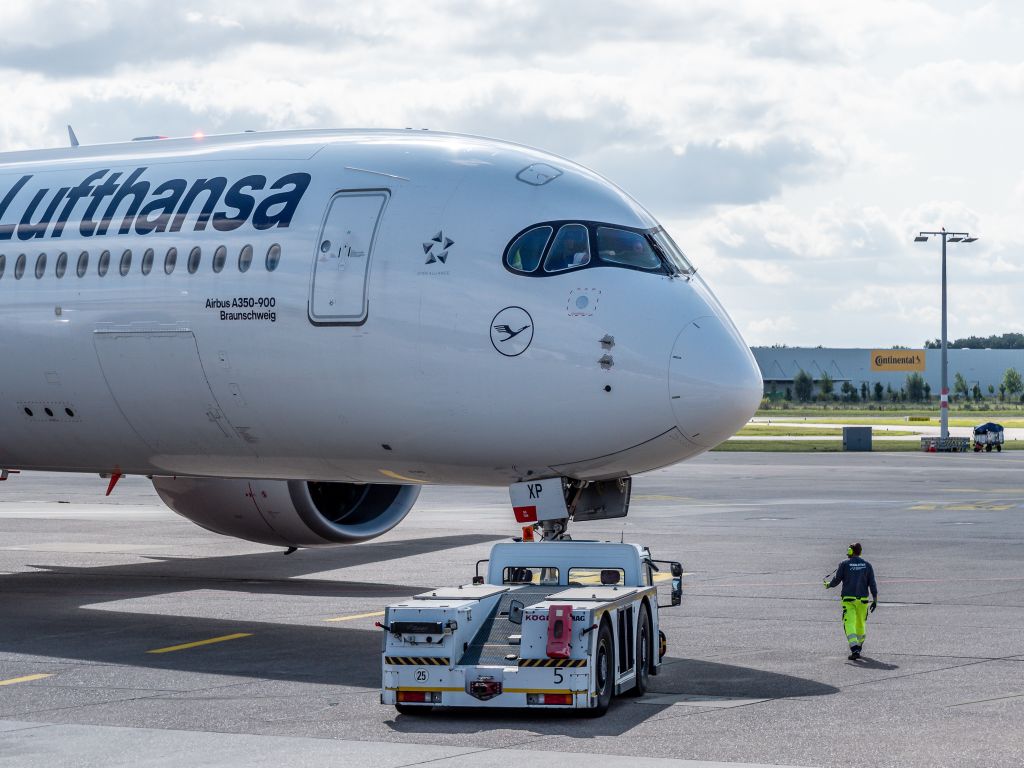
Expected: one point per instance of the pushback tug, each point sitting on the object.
(555, 623)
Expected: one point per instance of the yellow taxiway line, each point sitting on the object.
(24, 679)
(197, 643)
(357, 616)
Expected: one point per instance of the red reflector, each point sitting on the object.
(559, 631)
(420, 696)
(557, 698)
(525, 514)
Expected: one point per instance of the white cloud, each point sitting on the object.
(793, 149)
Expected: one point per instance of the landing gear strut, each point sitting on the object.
(547, 506)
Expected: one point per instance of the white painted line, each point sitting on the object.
(694, 700)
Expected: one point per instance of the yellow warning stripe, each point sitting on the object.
(417, 661)
(552, 662)
(24, 679)
(507, 690)
(356, 616)
(197, 643)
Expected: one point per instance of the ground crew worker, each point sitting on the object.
(857, 577)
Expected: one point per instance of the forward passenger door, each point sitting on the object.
(338, 292)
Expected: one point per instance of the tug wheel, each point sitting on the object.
(642, 663)
(604, 672)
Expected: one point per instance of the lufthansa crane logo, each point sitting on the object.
(512, 331)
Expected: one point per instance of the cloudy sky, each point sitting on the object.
(793, 148)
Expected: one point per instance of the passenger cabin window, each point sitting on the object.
(147, 261)
(40, 266)
(104, 264)
(83, 264)
(3, 264)
(273, 257)
(170, 260)
(19, 266)
(631, 249)
(220, 256)
(571, 248)
(542, 575)
(126, 262)
(62, 265)
(194, 257)
(245, 258)
(525, 253)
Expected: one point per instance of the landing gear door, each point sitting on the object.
(342, 265)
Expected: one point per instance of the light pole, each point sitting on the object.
(947, 237)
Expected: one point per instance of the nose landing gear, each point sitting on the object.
(547, 506)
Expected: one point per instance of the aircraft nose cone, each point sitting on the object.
(714, 381)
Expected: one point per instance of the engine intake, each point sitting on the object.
(291, 513)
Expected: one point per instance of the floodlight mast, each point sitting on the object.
(952, 237)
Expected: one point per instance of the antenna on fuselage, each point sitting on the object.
(71, 136)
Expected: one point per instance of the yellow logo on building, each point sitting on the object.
(897, 360)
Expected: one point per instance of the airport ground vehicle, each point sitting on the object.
(555, 624)
(988, 436)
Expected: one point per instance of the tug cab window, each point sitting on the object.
(592, 577)
(543, 575)
(525, 253)
(620, 246)
(571, 248)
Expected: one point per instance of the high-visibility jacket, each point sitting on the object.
(857, 577)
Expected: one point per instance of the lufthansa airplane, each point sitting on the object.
(292, 332)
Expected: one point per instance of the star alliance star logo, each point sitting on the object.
(436, 249)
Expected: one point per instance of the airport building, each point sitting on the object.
(889, 367)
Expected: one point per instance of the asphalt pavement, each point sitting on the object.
(132, 637)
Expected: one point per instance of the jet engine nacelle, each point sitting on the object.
(290, 513)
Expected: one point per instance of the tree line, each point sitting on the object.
(915, 389)
(1001, 341)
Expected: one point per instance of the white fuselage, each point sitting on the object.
(354, 359)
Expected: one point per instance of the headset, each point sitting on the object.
(849, 551)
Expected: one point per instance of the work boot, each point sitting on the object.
(854, 655)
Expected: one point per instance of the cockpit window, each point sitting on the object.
(620, 246)
(571, 248)
(553, 247)
(525, 253)
(671, 252)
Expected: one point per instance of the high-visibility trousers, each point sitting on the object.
(855, 617)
